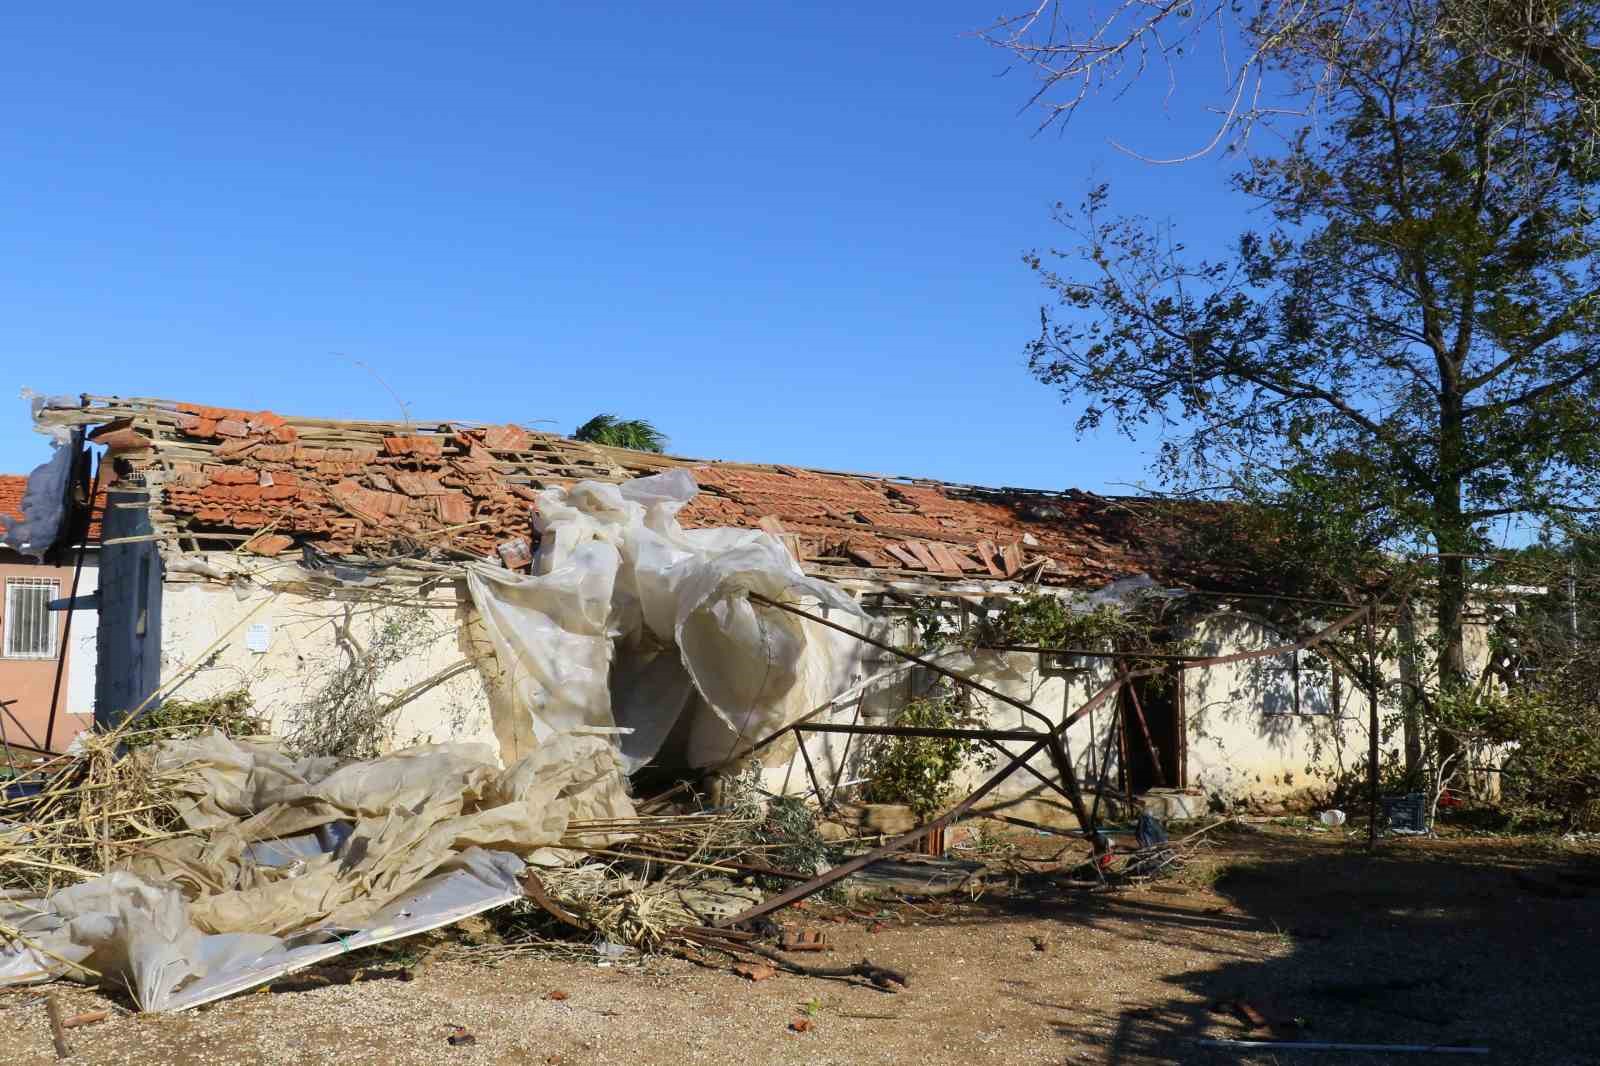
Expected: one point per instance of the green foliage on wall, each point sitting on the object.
(920, 772)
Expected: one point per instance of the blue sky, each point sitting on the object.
(782, 235)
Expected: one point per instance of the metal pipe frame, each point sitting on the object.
(1048, 740)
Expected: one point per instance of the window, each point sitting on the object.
(30, 627)
(1299, 682)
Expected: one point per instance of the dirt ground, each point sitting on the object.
(1489, 942)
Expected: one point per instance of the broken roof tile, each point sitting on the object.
(219, 474)
(268, 544)
(453, 509)
(418, 484)
(507, 438)
(369, 505)
(262, 421)
(120, 436)
(276, 453)
(421, 447)
(905, 557)
(515, 554)
(197, 425)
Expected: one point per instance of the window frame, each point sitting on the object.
(1297, 710)
(10, 619)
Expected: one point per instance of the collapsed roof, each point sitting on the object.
(221, 478)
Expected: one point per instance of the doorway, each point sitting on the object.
(1152, 717)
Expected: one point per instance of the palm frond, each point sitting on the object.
(613, 431)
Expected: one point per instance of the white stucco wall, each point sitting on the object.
(308, 642)
(1015, 674)
(1249, 736)
(1245, 740)
(1249, 739)
(83, 660)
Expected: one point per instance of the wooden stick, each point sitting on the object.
(57, 1033)
(663, 860)
(881, 976)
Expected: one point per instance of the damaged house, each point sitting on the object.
(384, 583)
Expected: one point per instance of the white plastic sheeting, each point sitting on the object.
(628, 622)
(629, 627)
(300, 860)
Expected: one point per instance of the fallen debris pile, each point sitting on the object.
(192, 868)
(248, 864)
(78, 816)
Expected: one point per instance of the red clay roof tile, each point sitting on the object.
(362, 496)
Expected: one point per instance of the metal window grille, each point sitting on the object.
(30, 627)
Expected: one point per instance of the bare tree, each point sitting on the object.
(1545, 49)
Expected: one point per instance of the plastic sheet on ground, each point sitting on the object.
(295, 861)
(629, 623)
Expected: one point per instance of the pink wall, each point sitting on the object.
(26, 684)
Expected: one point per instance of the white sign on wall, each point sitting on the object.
(258, 637)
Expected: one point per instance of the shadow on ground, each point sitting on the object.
(1469, 942)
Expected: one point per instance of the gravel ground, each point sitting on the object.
(1433, 941)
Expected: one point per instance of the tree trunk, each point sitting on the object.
(1454, 537)
(1453, 534)
(1452, 608)
(1411, 681)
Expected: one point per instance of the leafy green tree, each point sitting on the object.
(1408, 344)
(634, 433)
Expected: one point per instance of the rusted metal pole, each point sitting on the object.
(1149, 741)
(1052, 731)
(844, 756)
(995, 744)
(1105, 758)
(66, 628)
(916, 731)
(1186, 661)
(1122, 755)
(838, 873)
(1069, 778)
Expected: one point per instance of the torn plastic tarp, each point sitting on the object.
(44, 506)
(408, 842)
(628, 620)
